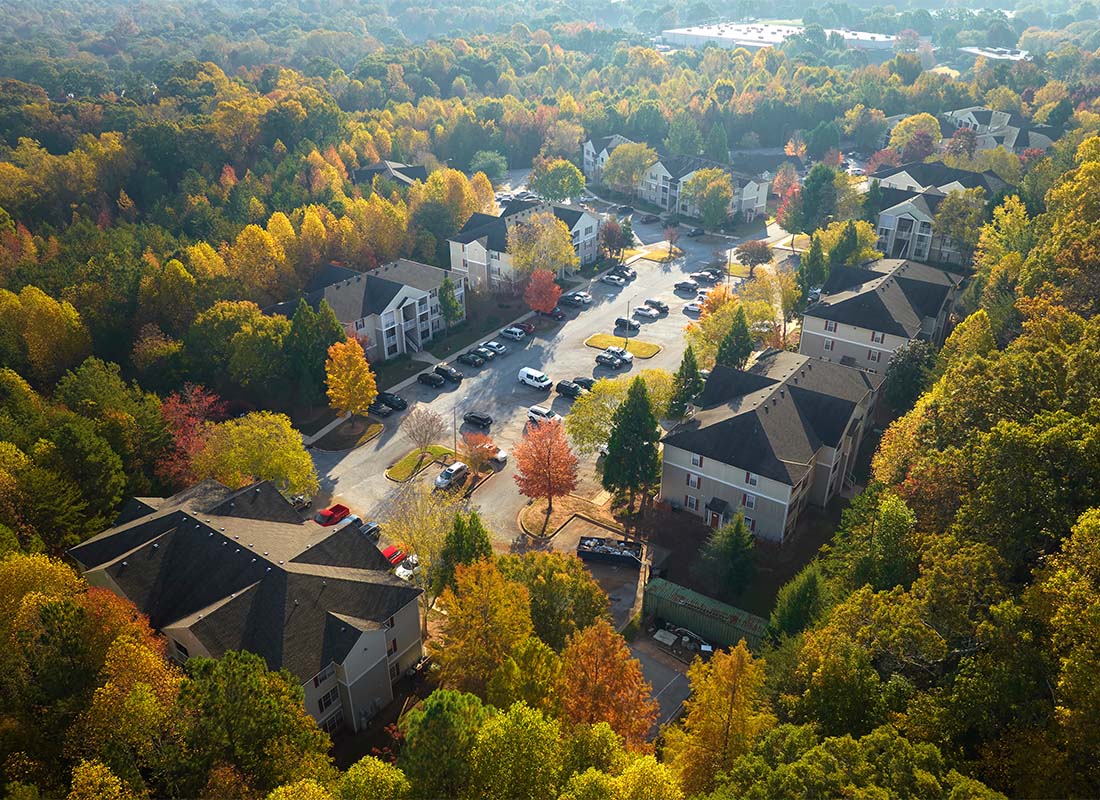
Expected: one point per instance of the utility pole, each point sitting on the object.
(454, 428)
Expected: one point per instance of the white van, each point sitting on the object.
(532, 377)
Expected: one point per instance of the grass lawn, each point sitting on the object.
(312, 420)
(416, 461)
(661, 255)
(349, 434)
(602, 341)
(392, 372)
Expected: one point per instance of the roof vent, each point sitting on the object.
(253, 561)
(209, 534)
(280, 562)
(237, 551)
(765, 408)
(155, 546)
(295, 602)
(251, 545)
(124, 563)
(268, 569)
(265, 552)
(235, 537)
(223, 530)
(224, 543)
(257, 492)
(324, 583)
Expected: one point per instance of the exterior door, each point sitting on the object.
(715, 519)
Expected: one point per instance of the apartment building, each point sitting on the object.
(1005, 129)
(594, 155)
(663, 185)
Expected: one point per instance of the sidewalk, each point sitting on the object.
(307, 440)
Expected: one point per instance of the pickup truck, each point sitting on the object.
(331, 515)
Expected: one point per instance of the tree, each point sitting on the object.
(882, 159)
(632, 462)
(542, 242)
(612, 238)
(306, 345)
(726, 560)
(918, 148)
(717, 146)
(564, 596)
(54, 336)
(516, 756)
(542, 292)
(477, 451)
(257, 447)
(963, 143)
(800, 603)
(904, 132)
(959, 219)
(818, 197)
(811, 267)
(306, 789)
(530, 674)
(626, 165)
(706, 334)
(725, 714)
(601, 682)
(351, 385)
(909, 373)
(688, 382)
(972, 337)
(487, 616)
(786, 179)
(672, 236)
(259, 262)
(371, 778)
(753, 253)
(466, 542)
(847, 243)
(93, 780)
(796, 146)
(439, 735)
(735, 349)
(684, 138)
(822, 139)
(866, 125)
(423, 426)
(234, 711)
(556, 180)
(449, 306)
(490, 162)
(590, 419)
(545, 465)
(711, 191)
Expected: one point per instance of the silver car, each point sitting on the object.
(452, 475)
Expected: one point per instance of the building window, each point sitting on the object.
(750, 523)
(696, 460)
(324, 675)
(359, 324)
(828, 346)
(395, 670)
(333, 723)
(180, 649)
(874, 356)
(750, 479)
(694, 481)
(328, 698)
(830, 325)
(691, 502)
(748, 500)
(391, 647)
(878, 338)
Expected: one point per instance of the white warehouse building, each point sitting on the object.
(757, 35)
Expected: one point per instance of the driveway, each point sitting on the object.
(667, 676)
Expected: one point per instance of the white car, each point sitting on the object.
(694, 307)
(515, 334)
(496, 347)
(537, 414)
(535, 378)
(583, 297)
(614, 280)
(621, 353)
(408, 568)
(647, 312)
(452, 475)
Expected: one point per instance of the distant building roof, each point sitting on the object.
(406, 174)
(495, 229)
(755, 35)
(997, 53)
(241, 570)
(929, 174)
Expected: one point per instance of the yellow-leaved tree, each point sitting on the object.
(350, 380)
(258, 446)
(541, 242)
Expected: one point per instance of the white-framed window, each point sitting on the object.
(748, 500)
(877, 337)
(750, 479)
(874, 356)
(750, 523)
(328, 698)
(828, 346)
(359, 324)
(180, 649)
(324, 675)
(691, 502)
(332, 723)
(694, 481)
(830, 325)
(395, 671)
(696, 460)
(391, 646)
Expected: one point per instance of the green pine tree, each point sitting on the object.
(687, 384)
(726, 558)
(632, 462)
(717, 147)
(684, 138)
(735, 349)
(466, 542)
(306, 348)
(448, 302)
(811, 269)
(846, 247)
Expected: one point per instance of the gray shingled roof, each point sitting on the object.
(495, 229)
(936, 173)
(242, 570)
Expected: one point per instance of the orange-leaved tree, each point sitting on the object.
(545, 463)
(601, 682)
(351, 385)
(477, 450)
(542, 293)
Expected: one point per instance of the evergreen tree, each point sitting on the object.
(800, 603)
(818, 197)
(632, 462)
(466, 542)
(686, 385)
(684, 138)
(811, 268)
(726, 558)
(306, 348)
(717, 147)
(735, 349)
(846, 247)
(448, 302)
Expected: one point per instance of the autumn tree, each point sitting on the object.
(556, 180)
(591, 416)
(542, 292)
(541, 242)
(612, 238)
(632, 462)
(724, 716)
(423, 426)
(866, 125)
(627, 164)
(601, 682)
(371, 778)
(53, 335)
(711, 191)
(671, 235)
(351, 385)
(564, 596)
(185, 416)
(963, 143)
(752, 254)
(516, 756)
(786, 179)
(906, 130)
(467, 542)
(972, 337)
(545, 464)
(257, 447)
(530, 674)
(477, 450)
(487, 616)
(959, 219)
(919, 147)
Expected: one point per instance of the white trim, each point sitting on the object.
(852, 341)
(741, 488)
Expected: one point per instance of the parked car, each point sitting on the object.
(629, 324)
(584, 297)
(379, 409)
(538, 414)
(430, 379)
(694, 307)
(557, 314)
(535, 378)
(660, 305)
(513, 333)
(394, 401)
(608, 360)
(686, 286)
(471, 359)
(496, 454)
(697, 232)
(394, 554)
(372, 530)
(331, 515)
(526, 327)
(300, 502)
(613, 279)
(625, 210)
(715, 272)
(570, 389)
(649, 219)
(408, 569)
(448, 373)
(620, 353)
(587, 383)
(484, 352)
(647, 312)
(627, 272)
(452, 475)
(479, 418)
(571, 300)
(703, 277)
(496, 347)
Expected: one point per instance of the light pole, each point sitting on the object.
(454, 428)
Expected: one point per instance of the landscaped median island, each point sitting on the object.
(417, 461)
(602, 341)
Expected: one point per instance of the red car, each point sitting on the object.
(526, 327)
(331, 515)
(394, 554)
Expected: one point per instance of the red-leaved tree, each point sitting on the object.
(542, 293)
(884, 158)
(185, 415)
(546, 466)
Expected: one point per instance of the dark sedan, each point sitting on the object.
(394, 401)
(430, 379)
(587, 383)
(478, 418)
(570, 389)
(449, 373)
(379, 409)
(472, 359)
(557, 314)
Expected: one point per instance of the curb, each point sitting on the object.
(368, 440)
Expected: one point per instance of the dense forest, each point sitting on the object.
(167, 170)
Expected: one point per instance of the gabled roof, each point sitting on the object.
(930, 174)
(609, 143)
(888, 296)
(773, 418)
(406, 174)
(242, 570)
(926, 202)
(494, 230)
